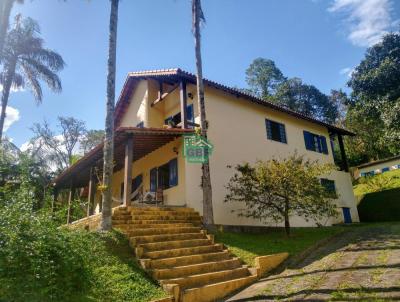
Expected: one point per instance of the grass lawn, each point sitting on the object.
(116, 275)
(390, 180)
(248, 246)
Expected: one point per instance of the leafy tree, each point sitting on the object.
(377, 77)
(375, 100)
(197, 19)
(263, 77)
(279, 189)
(26, 62)
(91, 139)
(267, 81)
(106, 223)
(57, 149)
(306, 99)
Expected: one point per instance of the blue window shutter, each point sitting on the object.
(153, 180)
(269, 130)
(309, 140)
(173, 172)
(282, 133)
(324, 146)
(189, 113)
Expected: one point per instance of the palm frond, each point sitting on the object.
(44, 73)
(33, 82)
(49, 58)
(17, 83)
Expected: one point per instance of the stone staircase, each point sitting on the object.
(173, 248)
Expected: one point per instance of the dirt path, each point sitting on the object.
(361, 265)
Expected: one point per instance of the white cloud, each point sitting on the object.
(12, 116)
(347, 71)
(368, 20)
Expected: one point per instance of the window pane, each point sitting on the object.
(173, 172)
(275, 131)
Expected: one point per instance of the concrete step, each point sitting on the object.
(178, 209)
(176, 262)
(165, 238)
(183, 251)
(196, 269)
(163, 213)
(158, 222)
(215, 291)
(163, 231)
(178, 244)
(193, 281)
(165, 217)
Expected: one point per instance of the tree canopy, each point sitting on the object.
(277, 189)
(267, 81)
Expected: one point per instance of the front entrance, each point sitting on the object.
(347, 215)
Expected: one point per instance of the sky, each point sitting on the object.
(320, 41)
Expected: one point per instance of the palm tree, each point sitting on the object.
(5, 12)
(26, 62)
(197, 19)
(108, 166)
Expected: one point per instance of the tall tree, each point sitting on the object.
(306, 99)
(375, 99)
(26, 62)
(106, 223)
(197, 19)
(5, 12)
(263, 77)
(56, 149)
(91, 139)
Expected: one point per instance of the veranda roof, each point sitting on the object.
(145, 141)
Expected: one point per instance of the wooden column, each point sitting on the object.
(128, 171)
(345, 165)
(70, 196)
(183, 99)
(92, 191)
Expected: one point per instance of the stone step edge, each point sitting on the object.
(140, 251)
(154, 272)
(213, 291)
(146, 263)
(171, 281)
(133, 240)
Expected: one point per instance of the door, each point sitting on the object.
(347, 215)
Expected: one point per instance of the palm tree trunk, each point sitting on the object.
(106, 223)
(5, 96)
(5, 11)
(208, 214)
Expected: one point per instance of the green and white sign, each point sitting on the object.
(197, 149)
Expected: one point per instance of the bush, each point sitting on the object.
(39, 262)
(380, 206)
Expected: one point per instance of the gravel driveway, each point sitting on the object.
(360, 265)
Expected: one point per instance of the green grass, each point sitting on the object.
(116, 275)
(389, 180)
(248, 246)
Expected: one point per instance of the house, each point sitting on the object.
(242, 128)
(377, 167)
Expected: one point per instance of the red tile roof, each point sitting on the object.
(177, 74)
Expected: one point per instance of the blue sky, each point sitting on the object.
(319, 41)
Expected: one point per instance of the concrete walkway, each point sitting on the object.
(361, 265)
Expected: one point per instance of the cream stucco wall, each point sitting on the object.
(377, 168)
(237, 131)
(172, 196)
